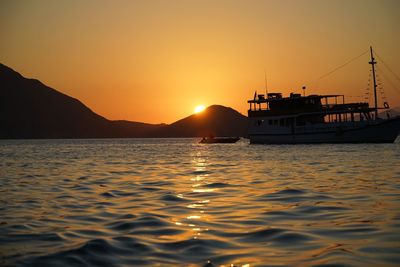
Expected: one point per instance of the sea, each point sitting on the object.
(175, 202)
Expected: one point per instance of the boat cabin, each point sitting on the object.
(309, 109)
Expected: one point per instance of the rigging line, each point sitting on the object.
(389, 81)
(341, 66)
(387, 66)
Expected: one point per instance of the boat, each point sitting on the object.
(220, 140)
(306, 119)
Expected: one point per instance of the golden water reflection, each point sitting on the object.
(201, 175)
(246, 205)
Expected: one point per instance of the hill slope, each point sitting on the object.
(30, 109)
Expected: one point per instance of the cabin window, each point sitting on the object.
(270, 122)
(275, 122)
(282, 122)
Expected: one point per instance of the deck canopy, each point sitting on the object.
(277, 97)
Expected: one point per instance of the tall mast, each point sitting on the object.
(373, 62)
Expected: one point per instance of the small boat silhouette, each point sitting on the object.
(220, 140)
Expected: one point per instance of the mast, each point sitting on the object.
(373, 62)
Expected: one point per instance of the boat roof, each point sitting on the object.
(273, 97)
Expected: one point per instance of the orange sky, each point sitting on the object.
(154, 61)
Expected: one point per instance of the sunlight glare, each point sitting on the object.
(199, 109)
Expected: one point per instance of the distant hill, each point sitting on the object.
(30, 109)
(395, 111)
(216, 120)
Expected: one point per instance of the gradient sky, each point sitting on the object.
(154, 61)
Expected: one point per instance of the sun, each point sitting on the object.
(199, 108)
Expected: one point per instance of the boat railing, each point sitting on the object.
(349, 107)
(324, 109)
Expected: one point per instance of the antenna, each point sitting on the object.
(266, 84)
(304, 90)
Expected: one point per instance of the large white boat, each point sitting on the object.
(275, 119)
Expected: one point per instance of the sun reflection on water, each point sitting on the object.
(199, 206)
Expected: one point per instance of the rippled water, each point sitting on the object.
(175, 202)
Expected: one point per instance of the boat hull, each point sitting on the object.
(383, 132)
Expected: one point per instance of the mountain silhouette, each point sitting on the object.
(215, 120)
(30, 109)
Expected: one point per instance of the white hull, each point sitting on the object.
(380, 131)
